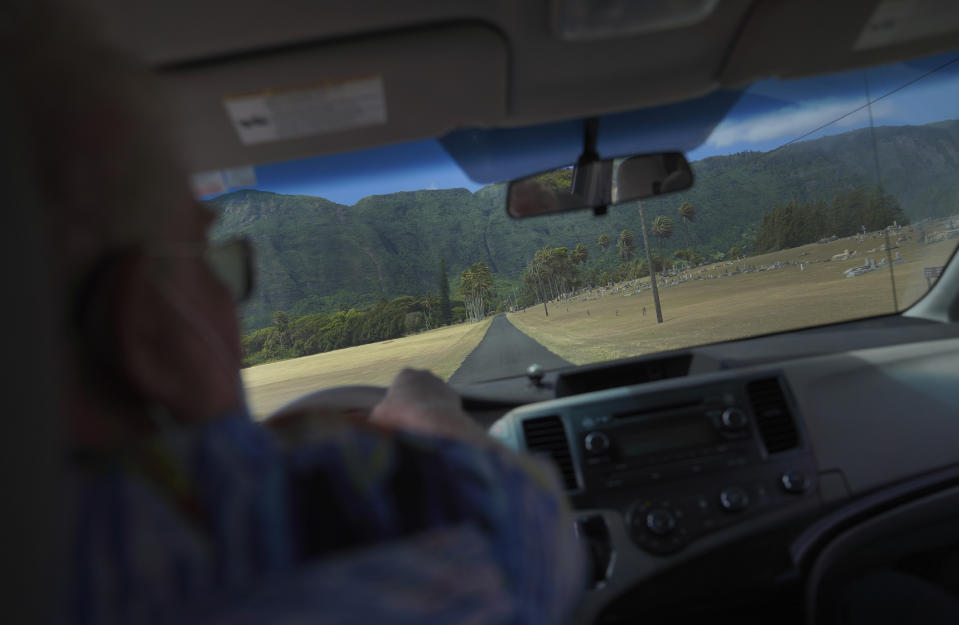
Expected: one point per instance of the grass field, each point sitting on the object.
(441, 351)
(595, 326)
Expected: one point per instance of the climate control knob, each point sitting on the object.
(660, 521)
(734, 419)
(734, 499)
(596, 443)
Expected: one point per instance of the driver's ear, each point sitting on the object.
(145, 341)
(162, 345)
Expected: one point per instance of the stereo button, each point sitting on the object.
(734, 419)
(596, 443)
(794, 482)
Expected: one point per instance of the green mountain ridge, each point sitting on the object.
(314, 255)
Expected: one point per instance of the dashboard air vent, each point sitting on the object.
(772, 415)
(546, 436)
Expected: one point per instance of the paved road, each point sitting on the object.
(504, 352)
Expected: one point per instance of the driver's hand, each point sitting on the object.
(420, 402)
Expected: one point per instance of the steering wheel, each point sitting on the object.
(325, 410)
(328, 410)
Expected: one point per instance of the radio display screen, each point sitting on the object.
(665, 434)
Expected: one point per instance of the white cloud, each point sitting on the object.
(792, 121)
(432, 186)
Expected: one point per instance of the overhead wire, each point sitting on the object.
(869, 103)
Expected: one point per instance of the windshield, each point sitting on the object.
(815, 201)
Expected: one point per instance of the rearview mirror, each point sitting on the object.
(598, 184)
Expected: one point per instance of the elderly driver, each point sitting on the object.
(182, 509)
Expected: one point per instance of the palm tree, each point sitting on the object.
(603, 242)
(559, 262)
(282, 323)
(662, 230)
(477, 289)
(543, 272)
(429, 303)
(625, 245)
(579, 254)
(534, 279)
(687, 213)
(446, 314)
(539, 276)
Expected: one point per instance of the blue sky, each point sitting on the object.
(767, 115)
(774, 112)
(346, 178)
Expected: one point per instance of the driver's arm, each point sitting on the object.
(424, 468)
(374, 522)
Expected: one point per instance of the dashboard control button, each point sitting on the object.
(794, 482)
(734, 499)
(660, 521)
(596, 443)
(734, 419)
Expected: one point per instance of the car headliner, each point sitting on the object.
(474, 63)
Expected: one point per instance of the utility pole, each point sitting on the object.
(649, 262)
(875, 154)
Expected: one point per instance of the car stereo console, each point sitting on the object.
(679, 464)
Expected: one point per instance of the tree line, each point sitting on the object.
(792, 223)
(292, 337)
(554, 272)
(321, 332)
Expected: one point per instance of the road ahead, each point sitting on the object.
(504, 352)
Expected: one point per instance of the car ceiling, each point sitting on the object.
(476, 63)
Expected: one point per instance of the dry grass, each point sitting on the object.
(707, 311)
(695, 313)
(441, 351)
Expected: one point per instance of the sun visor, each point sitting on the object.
(496, 155)
(339, 96)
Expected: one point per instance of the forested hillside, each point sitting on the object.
(317, 256)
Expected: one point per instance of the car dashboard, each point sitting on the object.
(715, 489)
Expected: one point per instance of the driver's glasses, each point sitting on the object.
(231, 261)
